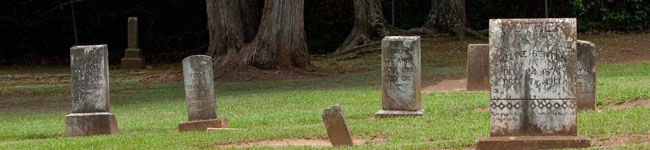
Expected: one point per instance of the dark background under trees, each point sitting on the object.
(36, 32)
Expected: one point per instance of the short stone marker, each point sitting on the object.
(533, 77)
(400, 77)
(90, 93)
(132, 55)
(337, 130)
(586, 75)
(199, 95)
(478, 65)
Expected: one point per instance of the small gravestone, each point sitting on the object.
(199, 95)
(337, 130)
(90, 93)
(132, 55)
(478, 65)
(533, 78)
(400, 77)
(586, 75)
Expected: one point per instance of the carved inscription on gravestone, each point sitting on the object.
(199, 87)
(532, 75)
(401, 73)
(89, 65)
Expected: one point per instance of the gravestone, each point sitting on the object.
(478, 65)
(337, 130)
(533, 78)
(199, 95)
(400, 75)
(132, 55)
(586, 75)
(90, 93)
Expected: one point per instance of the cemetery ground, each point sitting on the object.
(274, 107)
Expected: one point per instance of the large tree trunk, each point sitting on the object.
(276, 40)
(369, 24)
(280, 41)
(449, 16)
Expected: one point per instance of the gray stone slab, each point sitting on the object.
(199, 88)
(401, 83)
(478, 67)
(337, 130)
(586, 75)
(90, 81)
(533, 77)
(133, 32)
(88, 124)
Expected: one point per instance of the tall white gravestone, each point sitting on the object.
(533, 77)
(90, 92)
(400, 76)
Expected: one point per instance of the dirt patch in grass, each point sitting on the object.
(622, 139)
(296, 142)
(631, 104)
(447, 86)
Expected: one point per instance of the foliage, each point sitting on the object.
(623, 15)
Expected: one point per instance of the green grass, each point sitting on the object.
(148, 115)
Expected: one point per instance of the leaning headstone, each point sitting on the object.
(132, 55)
(400, 75)
(533, 77)
(199, 95)
(337, 130)
(478, 65)
(586, 75)
(91, 113)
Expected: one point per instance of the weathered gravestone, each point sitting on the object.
(132, 55)
(533, 78)
(199, 95)
(90, 93)
(586, 75)
(400, 75)
(337, 130)
(478, 65)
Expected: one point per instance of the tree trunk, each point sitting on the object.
(369, 24)
(280, 41)
(449, 16)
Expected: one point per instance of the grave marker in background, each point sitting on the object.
(337, 130)
(199, 95)
(132, 55)
(400, 76)
(90, 93)
(533, 77)
(478, 65)
(586, 75)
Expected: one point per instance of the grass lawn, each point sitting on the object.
(32, 113)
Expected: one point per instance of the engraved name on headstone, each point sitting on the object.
(586, 75)
(90, 92)
(400, 76)
(478, 65)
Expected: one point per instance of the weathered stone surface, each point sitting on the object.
(133, 32)
(337, 130)
(586, 75)
(478, 67)
(199, 88)
(203, 125)
(89, 65)
(132, 53)
(398, 113)
(132, 63)
(401, 83)
(533, 77)
(532, 142)
(86, 124)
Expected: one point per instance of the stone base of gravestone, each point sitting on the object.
(398, 113)
(532, 142)
(478, 67)
(86, 124)
(132, 59)
(203, 125)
